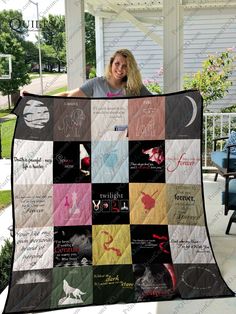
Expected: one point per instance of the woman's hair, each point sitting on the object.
(134, 79)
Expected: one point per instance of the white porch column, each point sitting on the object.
(173, 45)
(75, 43)
(99, 46)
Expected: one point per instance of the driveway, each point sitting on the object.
(50, 82)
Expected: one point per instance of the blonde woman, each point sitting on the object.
(122, 78)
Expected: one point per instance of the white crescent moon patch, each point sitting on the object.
(194, 105)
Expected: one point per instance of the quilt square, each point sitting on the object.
(154, 282)
(72, 119)
(200, 280)
(72, 246)
(183, 116)
(109, 120)
(33, 206)
(147, 118)
(30, 290)
(189, 244)
(72, 287)
(150, 244)
(184, 204)
(110, 162)
(35, 167)
(72, 204)
(71, 162)
(37, 119)
(113, 284)
(147, 161)
(34, 248)
(111, 245)
(110, 203)
(147, 203)
(183, 161)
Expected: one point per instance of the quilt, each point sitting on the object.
(108, 203)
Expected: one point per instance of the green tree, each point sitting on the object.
(20, 76)
(213, 80)
(90, 39)
(53, 33)
(48, 57)
(11, 22)
(31, 53)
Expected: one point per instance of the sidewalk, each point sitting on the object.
(8, 117)
(6, 222)
(5, 174)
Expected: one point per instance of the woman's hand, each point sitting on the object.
(23, 93)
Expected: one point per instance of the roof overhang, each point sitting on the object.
(105, 8)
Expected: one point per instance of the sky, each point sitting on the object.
(29, 10)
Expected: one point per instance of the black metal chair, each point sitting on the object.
(230, 197)
(225, 163)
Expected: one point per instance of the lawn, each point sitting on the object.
(5, 199)
(56, 91)
(35, 75)
(7, 132)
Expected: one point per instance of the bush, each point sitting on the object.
(153, 86)
(5, 264)
(92, 73)
(213, 80)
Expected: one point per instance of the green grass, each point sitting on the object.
(56, 91)
(4, 112)
(34, 75)
(7, 132)
(5, 199)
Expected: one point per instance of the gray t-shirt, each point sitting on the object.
(98, 87)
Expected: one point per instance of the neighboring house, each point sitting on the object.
(206, 31)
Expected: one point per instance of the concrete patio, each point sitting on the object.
(224, 247)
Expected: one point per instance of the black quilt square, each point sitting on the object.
(113, 284)
(150, 244)
(200, 280)
(30, 290)
(183, 116)
(35, 119)
(147, 161)
(71, 162)
(110, 203)
(72, 246)
(154, 282)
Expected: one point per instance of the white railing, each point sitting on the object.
(215, 125)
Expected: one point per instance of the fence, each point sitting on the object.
(215, 125)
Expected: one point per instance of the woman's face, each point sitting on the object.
(119, 68)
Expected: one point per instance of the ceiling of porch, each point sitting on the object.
(109, 7)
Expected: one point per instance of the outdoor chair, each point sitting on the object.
(230, 198)
(225, 163)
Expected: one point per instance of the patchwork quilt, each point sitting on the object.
(108, 203)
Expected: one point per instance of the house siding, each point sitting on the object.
(206, 31)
